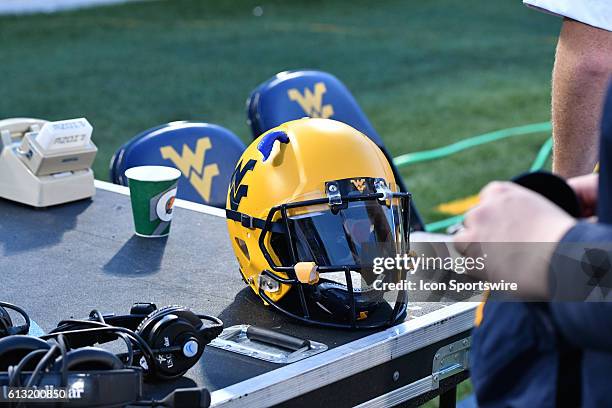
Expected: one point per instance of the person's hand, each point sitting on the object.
(586, 190)
(518, 230)
(508, 212)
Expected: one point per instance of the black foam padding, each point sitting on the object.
(553, 188)
(90, 358)
(101, 388)
(14, 348)
(65, 260)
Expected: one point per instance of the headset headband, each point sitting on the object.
(21, 329)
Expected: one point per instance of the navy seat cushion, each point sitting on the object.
(205, 153)
(296, 94)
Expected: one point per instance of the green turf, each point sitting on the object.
(463, 390)
(426, 73)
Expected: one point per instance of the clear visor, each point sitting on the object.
(349, 236)
(342, 238)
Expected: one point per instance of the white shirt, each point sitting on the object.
(597, 13)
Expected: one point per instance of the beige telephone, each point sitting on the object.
(46, 163)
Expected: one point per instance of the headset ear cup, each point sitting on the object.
(5, 322)
(90, 358)
(144, 328)
(107, 382)
(173, 326)
(14, 348)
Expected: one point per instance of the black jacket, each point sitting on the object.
(557, 353)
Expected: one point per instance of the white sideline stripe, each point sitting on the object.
(207, 209)
(115, 188)
(50, 6)
(188, 205)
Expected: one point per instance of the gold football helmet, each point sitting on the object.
(310, 204)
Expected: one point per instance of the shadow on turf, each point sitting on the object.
(137, 257)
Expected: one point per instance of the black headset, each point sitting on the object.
(169, 341)
(7, 328)
(91, 376)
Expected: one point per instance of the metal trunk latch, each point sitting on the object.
(266, 345)
(450, 360)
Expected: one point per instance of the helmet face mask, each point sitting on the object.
(306, 224)
(339, 241)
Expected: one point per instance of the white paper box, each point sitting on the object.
(64, 134)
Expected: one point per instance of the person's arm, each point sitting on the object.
(584, 324)
(583, 65)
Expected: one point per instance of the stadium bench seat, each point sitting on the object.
(206, 155)
(296, 94)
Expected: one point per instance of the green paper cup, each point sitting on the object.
(152, 191)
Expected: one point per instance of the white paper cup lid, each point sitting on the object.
(153, 173)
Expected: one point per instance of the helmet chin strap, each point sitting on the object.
(338, 279)
(308, 273)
